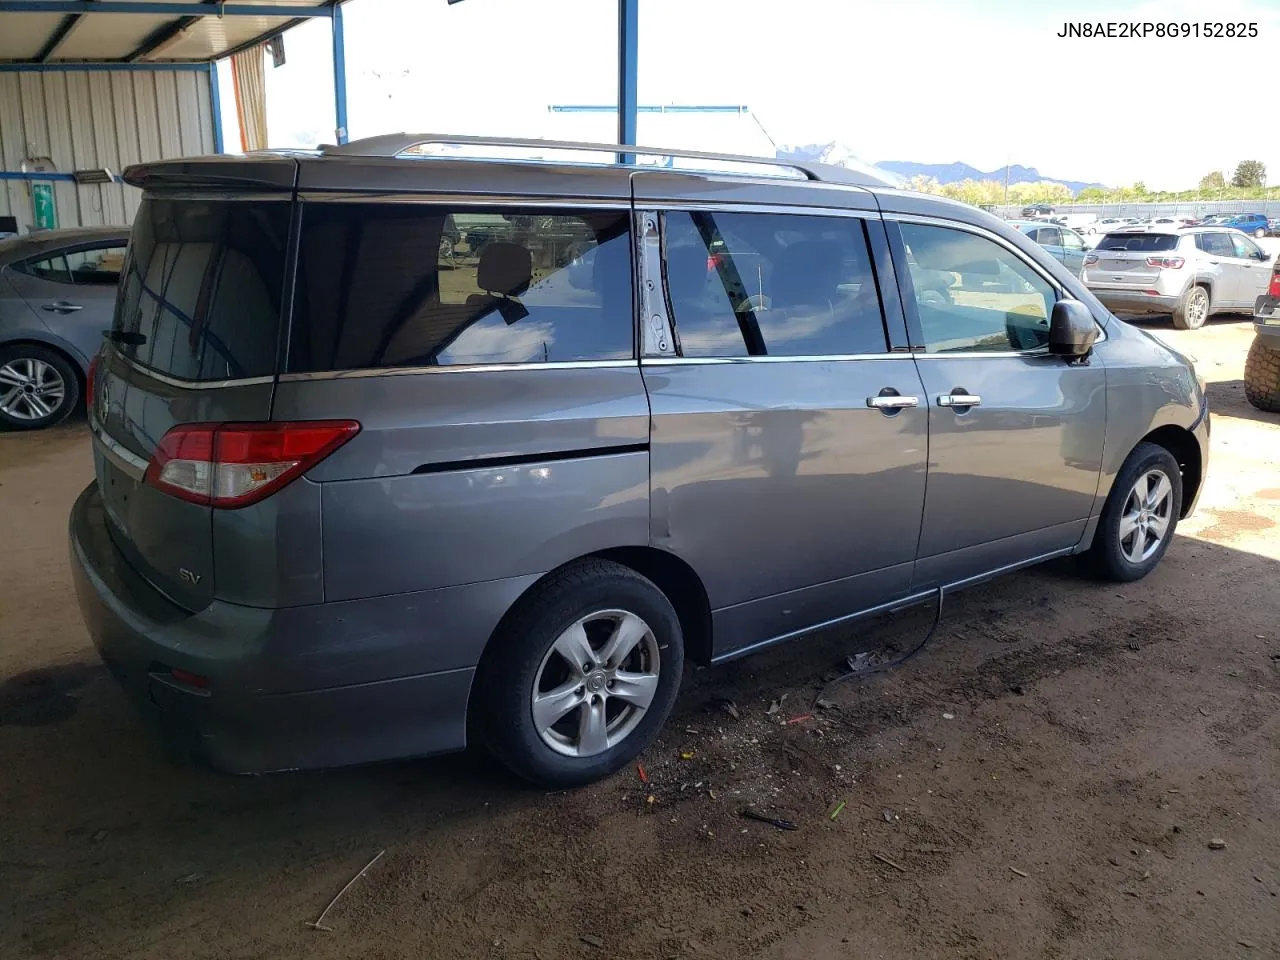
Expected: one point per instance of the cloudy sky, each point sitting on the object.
(979, 81)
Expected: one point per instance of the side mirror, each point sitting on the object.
(1071, 330)
(1263, 256)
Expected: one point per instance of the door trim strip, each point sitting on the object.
(893, 605)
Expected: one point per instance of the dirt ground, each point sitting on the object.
(1044, 780)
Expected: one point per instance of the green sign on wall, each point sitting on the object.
(46, 213)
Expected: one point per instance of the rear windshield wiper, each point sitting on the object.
(127, 337)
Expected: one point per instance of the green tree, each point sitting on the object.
(1092, 195)
(1250, 173)
(1213, 181)
(923, 184)
(1140, 190)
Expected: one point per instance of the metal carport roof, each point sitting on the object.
(40, 32)
(53, 35)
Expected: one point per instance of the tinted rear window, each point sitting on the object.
(1138, 242)
(200, 295)
(388, 285)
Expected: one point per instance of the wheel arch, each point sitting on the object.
(1185, 448)
(57, 345)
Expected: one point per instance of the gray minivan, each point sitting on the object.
(397, 451)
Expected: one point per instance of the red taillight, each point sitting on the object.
(1173, 263)
(1274, 289)
(1090, 259)
(90, 379)
(232, 465)
(189, 679)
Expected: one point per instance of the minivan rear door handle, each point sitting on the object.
(892, 402)
(959, 400)
(61, 306)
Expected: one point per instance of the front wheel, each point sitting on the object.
(1192, 310)
(1260, 232)
(1140, 516)
(581, 675)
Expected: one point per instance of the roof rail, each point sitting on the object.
(393, 145)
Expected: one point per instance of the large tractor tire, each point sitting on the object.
(1262, 375)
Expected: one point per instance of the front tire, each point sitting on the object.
(580, 676)
(1260, 232)
(38, 387)
(1140, 516)
(1262, 376)
(1192, 310)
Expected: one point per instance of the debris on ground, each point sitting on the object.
(99, 835)
(190, 878)
(644, 777)
(776, 705)
(687, 754)
(1019, 872)
(778, 822)
(592, 941)
(836, 812)
(800, 719)
(948, 716)
(883, 859)
(1217, 844)
(887, 814)
(318, 922)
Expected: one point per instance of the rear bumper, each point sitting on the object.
(315, 686)
(1134, 301)
(1266, 319)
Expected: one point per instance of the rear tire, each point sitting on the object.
(1139, 518)
(1193, 309)
(1260, 232)
(590, 723)
(1262, 376)
(38, 387)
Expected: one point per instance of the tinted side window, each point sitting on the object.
(49, 268)
(974, 295)
(200, 295)
(1244, 247)
(97, 267)
(1215, 244)
(1071, 240)
(771, 284)
(386, 285)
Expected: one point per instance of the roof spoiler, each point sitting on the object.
(250, 172)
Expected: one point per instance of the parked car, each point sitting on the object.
(1191, 273)
(1036, 210)
(1252, 223)
(1065, 244)
(1104, 225)
(351, 506)
(1273, 227)
(1076, 221)
(1262, 366)
(57, 291)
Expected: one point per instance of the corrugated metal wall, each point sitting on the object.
(83, 119)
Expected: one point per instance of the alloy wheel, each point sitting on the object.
(595, 683)
(1144, 521)
(30, 389)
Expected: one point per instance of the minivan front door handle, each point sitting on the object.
(959, 400)
(62, 306)
(892, 402)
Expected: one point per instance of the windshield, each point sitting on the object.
(1141, 242)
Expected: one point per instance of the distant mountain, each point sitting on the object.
(838, 155)
(955, 172)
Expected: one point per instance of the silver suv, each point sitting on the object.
(1191, 273)
(398, 451)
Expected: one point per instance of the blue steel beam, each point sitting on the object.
(215, 107)
(339, 76)
(647, 108)
(98, 66)
(164, 9)
(628, 60)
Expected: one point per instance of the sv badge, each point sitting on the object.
(188, 576)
